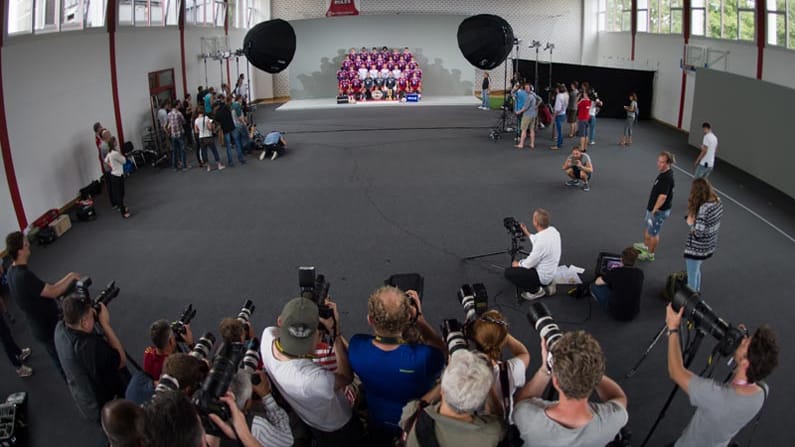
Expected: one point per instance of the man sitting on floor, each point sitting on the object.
(536, 273)
(618, 290)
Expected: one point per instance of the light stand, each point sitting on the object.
(550, 47)
(537, 45)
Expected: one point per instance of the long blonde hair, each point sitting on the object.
(490, 332)
(700, 193)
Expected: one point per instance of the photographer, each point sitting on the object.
(577, 370)
(579, 168)
(536, 272)
(618, 290)
(164, 343)
(275, 144)
(314, 393)
(123, 423)
(232, 330)
(491, 336)
(36, 298)
(449, 413)
(93, 363)
(270, 424)
(722, 409)
(392, 369)
(171, 420)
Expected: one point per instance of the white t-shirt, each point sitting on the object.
(363, 72)
(204, 125)
(374, 73)
(516, 380)
(545, 254)
(396, 73)
(561, 103)
(711, 142)
(116, 161)
(307, 387)
(162, 116)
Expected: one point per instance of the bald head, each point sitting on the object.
(388, 311)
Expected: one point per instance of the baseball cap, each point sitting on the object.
(299, 320)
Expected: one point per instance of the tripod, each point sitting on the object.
(689, 354)
(515, 249)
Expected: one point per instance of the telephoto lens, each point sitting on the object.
(107, 295)
(703, 317)
(166, 383)
(245, 312)
(454, 336)
(541, 319)
(201, 350)
(225, 366)
(250, 361)
(466, 296)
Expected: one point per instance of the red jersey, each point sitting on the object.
(153, 362)
(346, 64)
(402, 83)
(356, 83)
(414, 83)
(584, 110)
(345, 84)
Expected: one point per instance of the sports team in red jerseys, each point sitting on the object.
(379, 75)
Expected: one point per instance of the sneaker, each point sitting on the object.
(593, 142)
(586, 187)
(640, 246)
(24, 371)
(646, 256)
(24, 354)
(208, 168)
(221, 167)
(572, 182)
(550, 289)
(530, 296)
(275, 154)
(262, 155)
(554, 148)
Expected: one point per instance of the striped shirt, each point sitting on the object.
(703, 237)
(274, 428)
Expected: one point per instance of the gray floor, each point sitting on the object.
(362, 203)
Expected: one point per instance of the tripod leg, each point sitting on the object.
(645, 354)
(486, 255)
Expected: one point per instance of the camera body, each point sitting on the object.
(315, 287)
(206, 399)
(105, 296)
(178, 327)
(514, 228)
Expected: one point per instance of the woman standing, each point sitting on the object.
(632, 110)
(115, 160)
(203, 127)
(704, 211)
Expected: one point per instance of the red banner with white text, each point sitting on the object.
(342, 8)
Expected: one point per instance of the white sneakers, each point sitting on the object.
(542, 291)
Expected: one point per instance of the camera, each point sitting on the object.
(704, 319)
(315, 287)
(244, 316)
(541, 319)
(223, 370)
(178, 327)
(166, 383)
(201, 350)
(514, 228)
(475, 300)
(250, 362)
(107, 294)
(454, 336)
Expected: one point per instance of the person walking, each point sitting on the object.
(115, 160)
(632, 110)
(203, 126)
(706, 159)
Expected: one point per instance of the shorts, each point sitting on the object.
(582, 128)
(654, 223)
(571, 115)
(528, 122)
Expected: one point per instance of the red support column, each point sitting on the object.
(634, 26)
(182, 47)
(114, 82)
(8, 162)
(686, 36)
(226, 33)
(761, 33)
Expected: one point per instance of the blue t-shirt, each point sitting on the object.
(521, 97)
(393, 378)
(272, 138)
(208, 105)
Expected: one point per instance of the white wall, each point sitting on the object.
(52, 99)
(8, 219)
(556, 21)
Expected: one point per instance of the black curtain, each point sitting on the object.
(612, 85)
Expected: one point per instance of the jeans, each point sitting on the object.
(702, 171)
(209, 142)
(9, 344)
(49, 346)
(591, 128)
(228, 141)
(694, 273)
(485, 95)
(602, 295)
(559, 119)
(240, 135)
(178, 152)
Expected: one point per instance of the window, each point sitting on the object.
(94, 13)
(676, 16)
(614, 15)
(202, 12)
(148, 12)
(660, 16)
(698, 14)
(728, 19)
(20, 17)
(44, 16)
(643, 16)
(219, 13)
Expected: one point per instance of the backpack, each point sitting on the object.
(544, 115)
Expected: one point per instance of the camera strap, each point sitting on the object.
(506, 392)
(280, 348)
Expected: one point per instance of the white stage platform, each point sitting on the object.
(331, 103)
